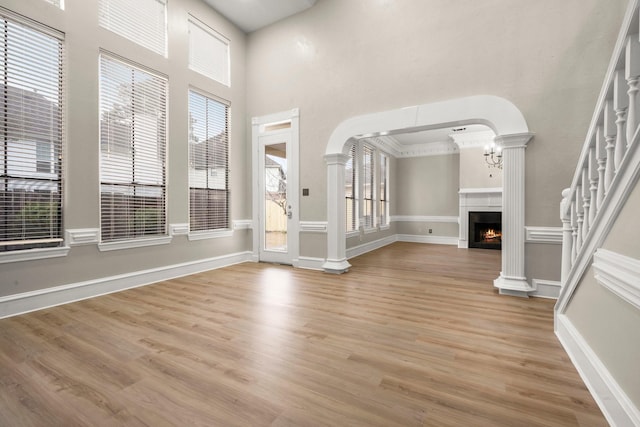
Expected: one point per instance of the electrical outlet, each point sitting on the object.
(430, 231)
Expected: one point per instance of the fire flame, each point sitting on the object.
(492, 234)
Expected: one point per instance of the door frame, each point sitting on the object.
(266, 126)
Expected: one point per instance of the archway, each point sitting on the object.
(512, 133)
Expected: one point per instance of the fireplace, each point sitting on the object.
(485, 230)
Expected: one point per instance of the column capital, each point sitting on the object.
(336, 159)
(514, 140)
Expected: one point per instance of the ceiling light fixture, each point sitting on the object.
(493, 156)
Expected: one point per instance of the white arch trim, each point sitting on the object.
(497, 113)
(512, 132)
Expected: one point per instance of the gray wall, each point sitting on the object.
(84, 39)
(474, 171)
(610, 325)
(342, 58)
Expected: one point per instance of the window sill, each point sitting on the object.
(33, 254)
(210, 234)
(385, 227)
(355, 233)
(136, 243)
(370, 230)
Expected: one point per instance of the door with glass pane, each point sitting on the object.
(276, 215)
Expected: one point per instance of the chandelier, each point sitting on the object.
(493, 156)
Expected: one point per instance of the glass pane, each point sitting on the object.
(275, 194)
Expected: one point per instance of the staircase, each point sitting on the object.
(600, 197)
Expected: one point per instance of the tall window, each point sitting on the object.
(133, 117)
(384, 189)
(368, 181)
(350, 190)
(208, 51)
(208, 163)
(58, 3)
(31, 76)
(141, 21)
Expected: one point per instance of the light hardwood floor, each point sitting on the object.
(413, 335)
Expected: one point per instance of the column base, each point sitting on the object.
(336, 266)
(513, 286)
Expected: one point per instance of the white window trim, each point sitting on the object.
(134, 243)
(204, 235)
(33, 254)
(218, 36)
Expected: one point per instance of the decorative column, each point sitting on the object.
(620, 105)
(610, 138)
(512, 280)
(336, 262)
(567, 235)
(632, 73)
(593, 185)
(601, 159)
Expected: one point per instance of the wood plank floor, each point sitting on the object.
(414, 335)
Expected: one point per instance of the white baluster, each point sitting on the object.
(580, 215)
(586, 202)
(567, 238)
(574, 232)
(593, 185)
(632, 74)
(610, 138)
(601, 157)
(620, 105)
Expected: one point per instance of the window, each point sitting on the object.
(384, 189)
(350, 191)
(132, 151)
(208, 163)
(208, 52)
(31, 79)
(141, 21)
(368, 169)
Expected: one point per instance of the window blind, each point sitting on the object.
(351, 183)
(31, 87)
(141, 21)
(133, 117)
(208, 52)
(384, 189)
(208, 163)
(368, 160)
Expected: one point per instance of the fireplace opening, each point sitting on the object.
(485, 230)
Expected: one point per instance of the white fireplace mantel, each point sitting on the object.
(476, 199)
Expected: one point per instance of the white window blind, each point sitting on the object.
(58, 3)
(141, 21)
(208, 52)
(31, 86)
(208, 163)
(384, 189)
(368, 162)
(133, 118)
(350, 190)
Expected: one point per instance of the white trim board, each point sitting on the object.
(13, 305)
(619, 274)
(423, 218)
(370, 246)
(434, 240)
(551, 235)
(616, 406)
(310, 263)
(545, 288)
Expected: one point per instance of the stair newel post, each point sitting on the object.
(567, 237)
(593, 184)
(620, 105)
(601, 158)
(632, 74)
(610, 138)
(586, 198)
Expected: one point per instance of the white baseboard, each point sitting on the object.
(545, 288)
(310, 263)
(370, 246)
(612, 400)
(435, 240)
(13, 305)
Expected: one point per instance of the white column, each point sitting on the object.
(336, 243)
(512, 280)
(632, 73)
(601, 159)
(610, 138)
(620, 105)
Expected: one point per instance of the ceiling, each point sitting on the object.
(251, 15)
